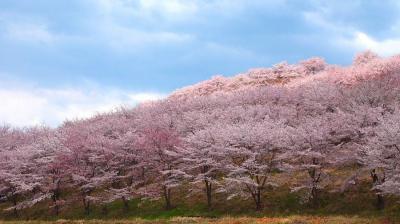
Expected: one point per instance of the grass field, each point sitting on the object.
(228, 220)
(280, 206)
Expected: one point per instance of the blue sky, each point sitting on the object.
(71, 58)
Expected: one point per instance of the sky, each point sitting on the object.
(69, 59)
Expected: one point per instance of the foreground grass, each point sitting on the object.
(280, 206)
(227, 220)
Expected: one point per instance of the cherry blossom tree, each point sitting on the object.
(232, 135)
(388, 138)
(364, 58)
(20, 179)
(51, 166)
(313, 65)
(255, 152)
(162, 149)
(90, 161)
(381, 153)
(321, 143)
(204, 162)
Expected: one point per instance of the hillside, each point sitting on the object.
(366, 66)
(308, 138)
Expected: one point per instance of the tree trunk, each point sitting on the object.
(256, 195)
(314, 197)
(104, 210)
(15, 210)
(55, 198)
(316, 177)
(86, 206)
(208, 192)
(167, 197)
(380, 200)
(126, 204)
(56, 207)
(258, 201)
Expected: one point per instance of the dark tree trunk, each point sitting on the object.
(258, 199)
(314, 197)
(208, 185)
(256, 195)
(14, 201)
(86, 206)
(380, 200)
(316, 178)
(56, 207)
(167, 197)
(208, 193)
(56, 197)
(104, 210)
(126, 204)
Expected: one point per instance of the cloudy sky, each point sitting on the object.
(72, 58)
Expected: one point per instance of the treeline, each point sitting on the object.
(234, 137)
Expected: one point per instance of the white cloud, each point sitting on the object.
(26, 28)
(24, 106)
(171, 10)
(349, 37)
(127, 39)
(174, 9)
(178, 10)
(29, 32)
(386, 47)
(116, 23)
(317, 19)
(143, 97)
(127, 25)
(228, 51)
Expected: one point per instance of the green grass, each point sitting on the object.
(228, 220)
(277, 203)
(353, 206)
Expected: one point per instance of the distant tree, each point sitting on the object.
(89, 160)
(19, 177)
(321, 143)
(52, 164)
(160, 142)
(313, 65)
(255, 152)
(204, 162)
(381, 154)
(364, 58)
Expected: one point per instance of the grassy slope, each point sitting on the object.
(229, 220)
(353, 206)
